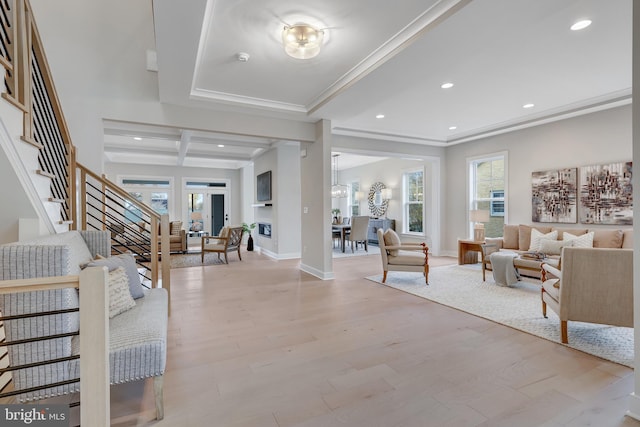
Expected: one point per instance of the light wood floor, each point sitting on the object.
(259, 343)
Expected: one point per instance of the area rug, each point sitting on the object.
(193, 260)
(462, 288)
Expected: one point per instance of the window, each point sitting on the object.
(487, 187)
(354, 203)
(497, 203)
(152, 191)
(413, 196)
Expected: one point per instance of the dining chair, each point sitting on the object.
(359, 231)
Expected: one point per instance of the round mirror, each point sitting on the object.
(377, 205)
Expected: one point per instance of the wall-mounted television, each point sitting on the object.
(264, 187)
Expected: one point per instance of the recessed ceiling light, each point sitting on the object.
(221, 145)
(453, 127)
(380, 116)
(446, 85)
(528, 105)
(581, 25)
(137, 138)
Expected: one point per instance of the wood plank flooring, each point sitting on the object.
(259, 343)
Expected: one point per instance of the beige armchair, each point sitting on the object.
(595, 285)
(229, 240)
(398, 256)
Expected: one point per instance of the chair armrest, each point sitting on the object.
(214, 238)
(488, 249)
(405, 247)
(552, 270)
(498, 241)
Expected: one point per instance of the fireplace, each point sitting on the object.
(264, 229)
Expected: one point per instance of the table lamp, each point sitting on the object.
(479, 217)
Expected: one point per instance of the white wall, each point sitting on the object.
(600, 137)
(268, 161)
(288, 201)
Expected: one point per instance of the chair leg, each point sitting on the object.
(239, 256)
(366, 248)
(202, 257)
(226, 260)
(157, 390)
(384, 276)
(563, 332)
(426, 273)
(484, 269)
(544, 309)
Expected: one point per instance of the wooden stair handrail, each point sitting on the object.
(119, 191)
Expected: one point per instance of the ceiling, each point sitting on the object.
(380, 57)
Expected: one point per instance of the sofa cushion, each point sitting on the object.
(574, 231)
(510, 237)
(553, 247)
(391, 238)
(627, 241)
(584, 241)
(537, 236)
(524, 235)
(129, 264)
(120, 299)
(607, 238)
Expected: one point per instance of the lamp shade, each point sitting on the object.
(478, 215)
(196, 216)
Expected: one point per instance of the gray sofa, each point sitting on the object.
(138, 337)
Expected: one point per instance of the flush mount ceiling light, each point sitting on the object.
(581, 25)
(302, 41)
(447, 85)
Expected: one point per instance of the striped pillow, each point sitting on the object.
(175, 228)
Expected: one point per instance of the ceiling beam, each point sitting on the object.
(185, 140)
(173, 153)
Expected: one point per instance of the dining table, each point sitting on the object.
(344, 229)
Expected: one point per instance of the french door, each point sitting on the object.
(207, 210)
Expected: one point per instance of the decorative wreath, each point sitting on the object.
(377, 210)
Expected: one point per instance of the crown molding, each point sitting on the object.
(263, 104)
(361, 133)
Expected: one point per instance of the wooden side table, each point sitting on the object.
(468, 251)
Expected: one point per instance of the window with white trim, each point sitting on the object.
(354, 203)
(487, 188)
(413, 201)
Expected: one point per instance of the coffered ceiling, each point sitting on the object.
(380, 58)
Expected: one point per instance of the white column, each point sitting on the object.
(634, 400)
(315, 176)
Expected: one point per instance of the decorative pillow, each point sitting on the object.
(524, 235)
(536, 236)
(584, 241)
(129, 264)
(175, 228)
(574, 231)
(553, 247)
(120, 299)
(607, 238)
(391, 238)
(510, 237)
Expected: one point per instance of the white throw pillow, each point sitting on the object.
(553, 247)
(120, 299)
(582, 241)
(536, 236)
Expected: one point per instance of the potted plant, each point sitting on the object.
(247, 229)
(335, 213)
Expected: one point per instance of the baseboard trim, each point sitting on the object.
(323, 275)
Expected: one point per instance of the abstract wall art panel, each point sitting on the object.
(554, 196)
(606, 194)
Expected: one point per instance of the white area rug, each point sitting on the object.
(371, 250)
(461, 287)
